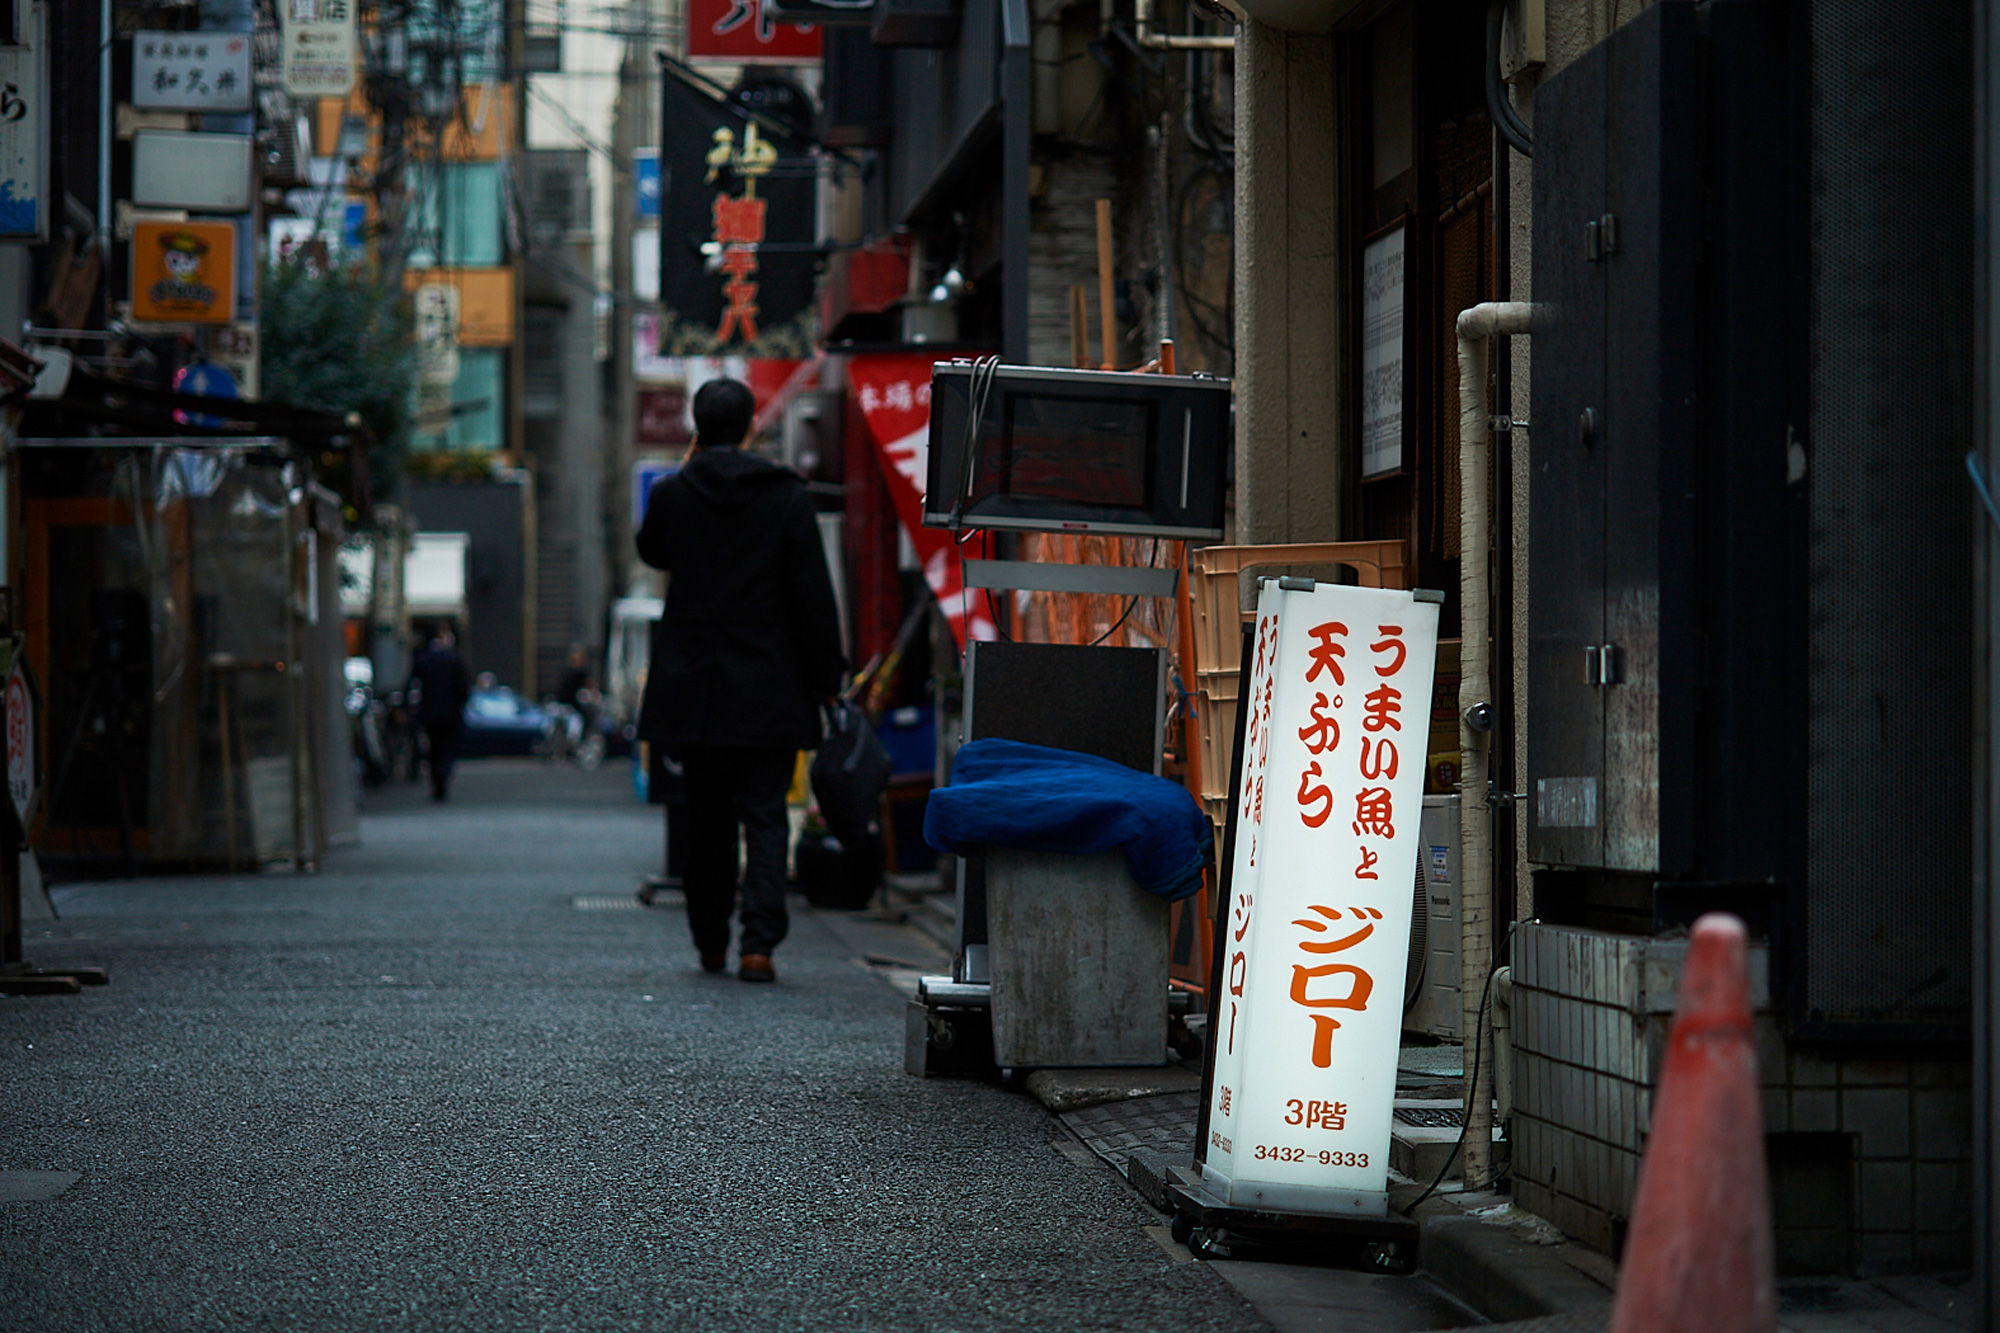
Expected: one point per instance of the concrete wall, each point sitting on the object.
(1290, 290)
(1571, 28)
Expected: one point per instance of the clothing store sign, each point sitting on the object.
(1309, 1012)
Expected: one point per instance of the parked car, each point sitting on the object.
(500, 721)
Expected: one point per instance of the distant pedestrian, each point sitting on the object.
(438, 682)
(575, 678)
(746, 650)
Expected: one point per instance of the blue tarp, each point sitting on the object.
(1050, 800)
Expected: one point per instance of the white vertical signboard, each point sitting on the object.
(318, 38)
(1310, 1010)
(1382, 355)
(24, 129)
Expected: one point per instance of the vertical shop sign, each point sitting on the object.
(20, 743)
(1309, 1016)
(435, 306)
(744, 32)
(318, 46)
(191, 71)
(24, 130)
(1382, 354)
(894, 393)
(736, 231)
(646, 182)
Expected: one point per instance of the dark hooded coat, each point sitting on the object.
(749, 642)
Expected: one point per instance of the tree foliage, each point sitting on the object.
(337, 339)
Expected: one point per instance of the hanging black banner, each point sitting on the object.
(736, 222)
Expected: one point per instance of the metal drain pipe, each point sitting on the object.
(1159, 41)
(1476, 716)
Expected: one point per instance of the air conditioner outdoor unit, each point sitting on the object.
(1431, 1002)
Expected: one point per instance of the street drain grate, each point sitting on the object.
(605, 902)
(1444, 1117)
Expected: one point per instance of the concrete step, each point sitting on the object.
(1421, 1150)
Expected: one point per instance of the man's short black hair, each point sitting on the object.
(723, 411)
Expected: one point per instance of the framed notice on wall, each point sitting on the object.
(1382, 379)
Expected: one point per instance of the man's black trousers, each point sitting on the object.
(444, 751)
(730, 788)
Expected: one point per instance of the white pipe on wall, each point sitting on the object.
(1158, 41)
(1475, 695)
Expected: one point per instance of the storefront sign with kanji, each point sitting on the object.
(744, 32)
(736, 229)
(1308, 1017)
(317, 45)
(894, 392)
(191, 71)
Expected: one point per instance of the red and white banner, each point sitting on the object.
(895, 396)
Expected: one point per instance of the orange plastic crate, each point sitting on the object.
(1223, 600)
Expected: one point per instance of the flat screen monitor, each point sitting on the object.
(1052, 450)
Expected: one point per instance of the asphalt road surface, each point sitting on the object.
(425, 1089)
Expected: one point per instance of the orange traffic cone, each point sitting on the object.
(1698, 1252)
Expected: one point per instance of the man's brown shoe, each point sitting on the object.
(714, 962)
(756, 967)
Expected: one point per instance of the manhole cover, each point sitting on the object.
(1444, 1117)
(605, 902)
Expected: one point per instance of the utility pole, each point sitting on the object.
(1985, 460)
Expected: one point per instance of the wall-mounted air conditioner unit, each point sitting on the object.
(1431, 1003)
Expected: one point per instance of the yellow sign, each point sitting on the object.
(485, 299)
(184, 272)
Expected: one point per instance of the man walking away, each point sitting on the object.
(745, 651)
(437, 678)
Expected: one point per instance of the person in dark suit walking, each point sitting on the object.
(746, 650)
(438, 680)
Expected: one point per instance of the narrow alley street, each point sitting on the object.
(452, 1082)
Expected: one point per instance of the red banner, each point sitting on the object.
(739, 31)
(663, 419)
(895, 396)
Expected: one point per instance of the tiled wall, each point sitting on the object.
(1910, 1125)
(1582, 1077)
(1589, 1024)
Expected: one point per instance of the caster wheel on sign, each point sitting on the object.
(1206, 1244)
(1388, 1257)
(1181, 1228)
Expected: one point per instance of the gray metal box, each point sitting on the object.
(1435, 1007)
(1078, 958)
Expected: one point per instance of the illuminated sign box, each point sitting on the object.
(184, 272)
(209, 173)
(1306, 1022)
(191, 71)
